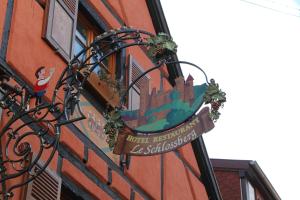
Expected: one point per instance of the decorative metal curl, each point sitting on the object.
(31, 135)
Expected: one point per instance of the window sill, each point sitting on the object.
(104, 90)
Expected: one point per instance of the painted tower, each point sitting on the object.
(189, 90)
(180, 86)
(144, 100)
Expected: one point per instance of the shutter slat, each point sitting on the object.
(49, 180)
(39, 193)
(71, 4)
(36, 197)
(135, 73)
(47, 186)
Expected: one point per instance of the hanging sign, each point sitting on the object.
(150, 144)
(164, 120)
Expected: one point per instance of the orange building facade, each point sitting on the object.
(35, 33)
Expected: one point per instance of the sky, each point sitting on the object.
(251, 48)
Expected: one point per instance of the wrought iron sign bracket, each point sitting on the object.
(22, 148)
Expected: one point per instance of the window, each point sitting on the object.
(250, 191)
(84, 35)
(67, 194)
(80, 41)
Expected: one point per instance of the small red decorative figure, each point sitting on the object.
(41, 83)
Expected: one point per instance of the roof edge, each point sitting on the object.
(160, 25)
(264, 179)
(253, 171)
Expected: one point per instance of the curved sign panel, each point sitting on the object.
(163, 110)
(146, 145)
(164, 120)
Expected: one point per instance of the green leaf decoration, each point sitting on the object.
(216, 98)
(161, 46)
(114, 124)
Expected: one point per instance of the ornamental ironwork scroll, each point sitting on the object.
(32, 134)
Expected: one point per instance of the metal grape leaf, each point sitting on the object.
(161, 46)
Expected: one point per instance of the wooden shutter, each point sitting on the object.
(47, 186)
(60, 25)
(135, 70)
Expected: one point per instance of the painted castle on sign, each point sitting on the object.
(161, 110)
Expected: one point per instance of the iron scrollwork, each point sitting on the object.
(32, 134)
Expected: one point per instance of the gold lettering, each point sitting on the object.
(173, 135)
(196, 120)
(130, 138)
(144, 140)
(187, 128)
(164, 137)
(182, 130)
(169, 136)
(133, 139)
(160, 138)
(157, 139)
(138, 140)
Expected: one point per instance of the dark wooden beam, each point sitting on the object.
(187, 165)
(6, 29)
(207, 173)
(66, 154)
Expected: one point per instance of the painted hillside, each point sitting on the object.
(164, 110)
